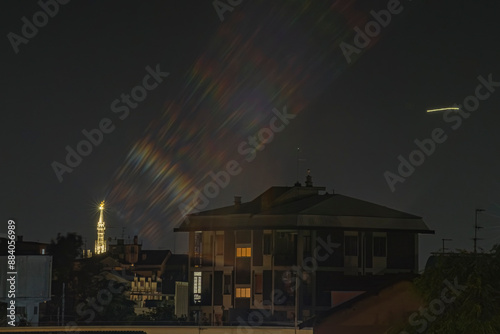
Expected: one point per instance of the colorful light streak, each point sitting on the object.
(265, 55)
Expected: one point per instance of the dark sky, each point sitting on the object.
(352, 120)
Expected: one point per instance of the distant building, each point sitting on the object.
(293, 251)
(32, 286)
(127, 253)
(24, 247)
(153, 274)
(33, 278)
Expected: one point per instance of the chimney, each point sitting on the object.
(237, 202)
(309, 181)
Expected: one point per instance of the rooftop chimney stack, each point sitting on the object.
(237, 201)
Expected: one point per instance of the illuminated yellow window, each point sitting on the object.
(243, 252)
(242, 292)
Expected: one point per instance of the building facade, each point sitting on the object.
(292, 252)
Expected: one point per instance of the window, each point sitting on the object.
(351, 245)
(267, 244)
(242, 292)
(227, 284)
(198, 247)
(220, 244)
(258, 283)
(380, 246)
(243, 252)
(197, 287)
(307, 243)
(21, 310)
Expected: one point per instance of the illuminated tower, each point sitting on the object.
(100, 244)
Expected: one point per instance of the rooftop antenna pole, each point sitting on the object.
(297, 184)
(475, 229)
(298, 152)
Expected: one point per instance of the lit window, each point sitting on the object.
(243, 252)
(242, 292)
(197, 287)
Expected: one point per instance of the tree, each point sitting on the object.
(64, 251)
(106, 301)
(162, 312)
(461, 293)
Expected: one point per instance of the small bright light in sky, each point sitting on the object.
(443, 109)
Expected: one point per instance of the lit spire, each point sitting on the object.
(100, 244)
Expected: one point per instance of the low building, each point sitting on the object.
(31, 286)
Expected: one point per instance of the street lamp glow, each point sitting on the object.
(443, 109)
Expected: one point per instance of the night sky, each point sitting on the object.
(219, 82)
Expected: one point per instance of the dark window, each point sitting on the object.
(227, 284)
(243, 274)
(379, 246)
(257, 247)
(198, 247)
(351, 245)
(267, 286)
(267, 244)
(258, 284)
(307, 244)
(21, 310)
(229, 248)
(286, 249)
(218, 277)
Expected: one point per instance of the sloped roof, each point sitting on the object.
(303, 208)
(399, 283)
(152, 257)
